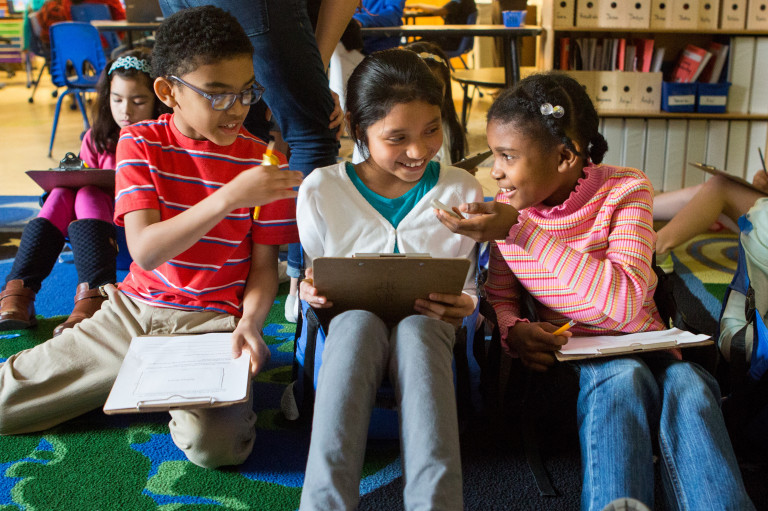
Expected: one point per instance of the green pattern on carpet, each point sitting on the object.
(129, 462)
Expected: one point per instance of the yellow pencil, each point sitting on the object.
(564, 328)
(268, 159)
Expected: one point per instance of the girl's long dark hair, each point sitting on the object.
(456, 136)
(382, 80)
(105, 131)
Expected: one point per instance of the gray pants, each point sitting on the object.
(73, 373)
(416, 355)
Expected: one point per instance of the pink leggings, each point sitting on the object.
(65, 205)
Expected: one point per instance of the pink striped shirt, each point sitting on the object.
(587, 259)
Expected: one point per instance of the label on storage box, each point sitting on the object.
(682, 100)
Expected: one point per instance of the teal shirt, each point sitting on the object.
(394, 210)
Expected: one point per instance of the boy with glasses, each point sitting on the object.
(185, 186)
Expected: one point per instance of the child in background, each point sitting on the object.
(186, 185)
(691, 211)
(124, 97)
(383, 205)
(578, 236)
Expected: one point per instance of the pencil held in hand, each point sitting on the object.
(563, 328)
(268, 159)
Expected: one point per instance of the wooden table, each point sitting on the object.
(129, 27)
(510, 36)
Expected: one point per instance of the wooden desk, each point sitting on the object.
(510, 36)
(125, 26)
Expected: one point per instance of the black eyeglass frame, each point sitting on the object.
(257, 90)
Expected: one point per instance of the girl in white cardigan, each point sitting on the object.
(383, 205)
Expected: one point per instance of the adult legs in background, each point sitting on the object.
(94, 249)
(698, 466)
(617, 407)
(420, 370)
(354, 360)
(288, 64)
(717, 196)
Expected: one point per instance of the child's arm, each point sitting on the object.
(153, 241)
(258, 297)
(492, 220)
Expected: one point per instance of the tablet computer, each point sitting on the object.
(386, 284)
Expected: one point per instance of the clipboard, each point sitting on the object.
(50, 179)
(710, 169)
(179, 372)
(471, 162)
(386, 284)
(583, 347)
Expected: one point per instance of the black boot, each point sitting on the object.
(94, 247)
(40, 246)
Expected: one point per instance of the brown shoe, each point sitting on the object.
(87, 302)
(17, 306)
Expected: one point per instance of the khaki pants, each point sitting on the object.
(73, 373)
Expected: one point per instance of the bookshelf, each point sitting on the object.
(660, 142)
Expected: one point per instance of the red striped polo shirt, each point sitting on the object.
(159, 168)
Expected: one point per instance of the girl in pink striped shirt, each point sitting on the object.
(578, 236)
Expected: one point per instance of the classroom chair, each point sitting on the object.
(77, 59)
(88, 12)
(465, 45)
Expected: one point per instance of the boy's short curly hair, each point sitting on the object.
(195, 37)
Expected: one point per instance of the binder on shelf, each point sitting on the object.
(634, 144)
(758, 91)
(612, 128)
(661, 14)
(695, 150)
(655, 137)
(757, 15)
(758, 133)
(711, 98)
(674, 156)
(733, 14)
(736, 159)
(588, 13)
(648, 97)
(639, 14)
(709, 12)
(564, 12)
(714, 68)
(587, 79)
(613, 14)
(678, 97)
(717, 143)
(740, 68)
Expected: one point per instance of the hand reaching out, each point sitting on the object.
(493, 220)
(247, 340)
(261, 185)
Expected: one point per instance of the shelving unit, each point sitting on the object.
(661, 143)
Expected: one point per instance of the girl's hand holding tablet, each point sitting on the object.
(492, 220)
(308, 292)
(449, 308)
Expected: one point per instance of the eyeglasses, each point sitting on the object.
(226, 100)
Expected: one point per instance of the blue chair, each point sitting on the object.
(77, 60)
(465, 45)
(89, 12)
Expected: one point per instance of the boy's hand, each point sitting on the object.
(261, 185)
(449, 308)
(493, 220)
(308, 292)
(337, 117)
(535, 344)
(247, 340)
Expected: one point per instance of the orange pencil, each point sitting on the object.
(268, 159)
(564, 328)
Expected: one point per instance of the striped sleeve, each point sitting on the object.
(602, 284)
(134, 187)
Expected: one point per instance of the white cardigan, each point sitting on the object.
(335, 219)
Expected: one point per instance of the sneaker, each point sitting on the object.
(666, 263)
(291, 308)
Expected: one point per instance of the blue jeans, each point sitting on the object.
(287, 63)
(624, 404)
